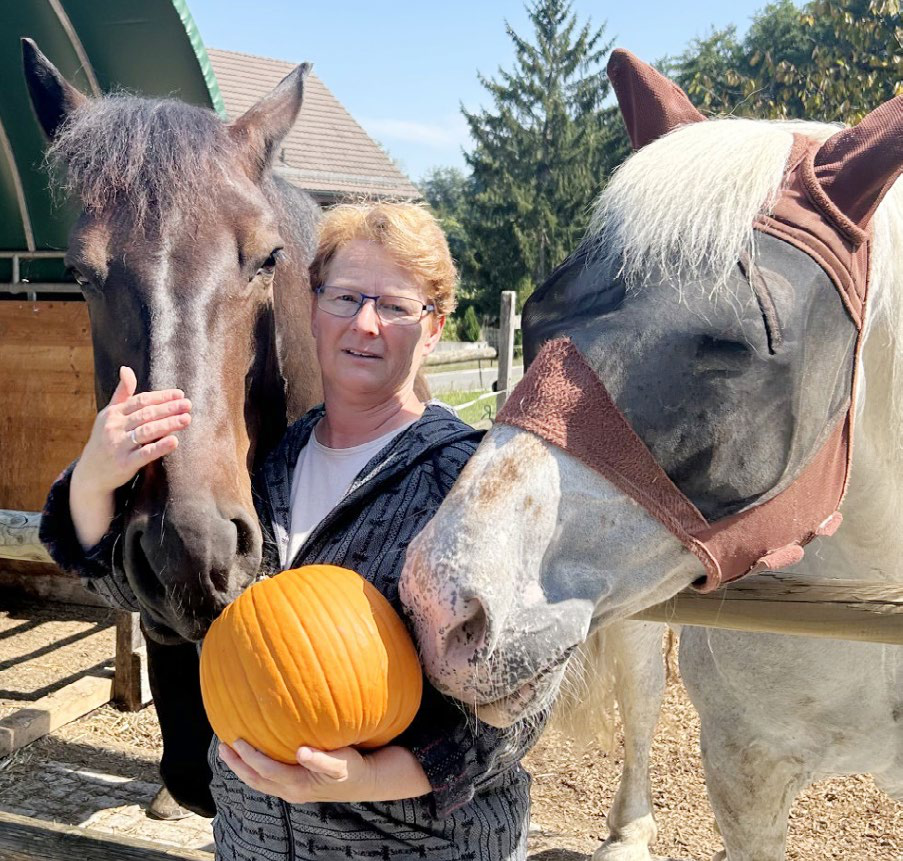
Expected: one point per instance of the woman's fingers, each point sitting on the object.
(128, 382)
(322, 763)
(238, 765)
(145, 454)
(269, 769)
(149, 399)
(154, 422)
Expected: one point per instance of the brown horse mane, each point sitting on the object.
(155, 156)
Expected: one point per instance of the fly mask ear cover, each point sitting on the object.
(829, 195)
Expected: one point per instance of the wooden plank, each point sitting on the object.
(35, 581)
(23, 838)
(506, 346)
(53, 711)
(60, 322)
(47, 402)
(19, 536)
(780, 603)
(131, 687)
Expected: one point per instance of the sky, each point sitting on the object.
(403, 69)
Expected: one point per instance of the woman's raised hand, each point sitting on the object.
(128, 433)
(131, 431)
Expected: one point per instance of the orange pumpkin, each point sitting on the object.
(315, 656)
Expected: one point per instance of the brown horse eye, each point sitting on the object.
(268, 267)
(79, 278)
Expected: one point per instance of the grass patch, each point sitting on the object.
(478, 412)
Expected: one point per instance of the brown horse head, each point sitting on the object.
(191, 256)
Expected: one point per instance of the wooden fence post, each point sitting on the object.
(507, 326)
(131, 687)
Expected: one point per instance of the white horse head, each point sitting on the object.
(720, 320)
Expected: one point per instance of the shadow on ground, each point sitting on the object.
(558, 855)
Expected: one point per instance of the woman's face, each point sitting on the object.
(361, 357)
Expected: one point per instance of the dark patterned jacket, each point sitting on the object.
(479, 806)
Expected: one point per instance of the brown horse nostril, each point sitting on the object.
(246, 543)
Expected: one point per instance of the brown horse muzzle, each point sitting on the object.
(186, 562)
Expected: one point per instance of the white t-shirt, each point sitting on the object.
(322, 477)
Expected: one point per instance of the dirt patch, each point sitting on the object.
(43, 648)
(841, 818)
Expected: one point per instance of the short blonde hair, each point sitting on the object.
(407, 231)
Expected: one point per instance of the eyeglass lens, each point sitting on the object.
(391, 309)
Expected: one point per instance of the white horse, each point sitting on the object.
(535, 553)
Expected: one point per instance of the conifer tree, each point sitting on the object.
(542, 152)
(469, 328)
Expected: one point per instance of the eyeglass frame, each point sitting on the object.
(425, 308)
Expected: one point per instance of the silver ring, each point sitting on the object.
(133, 438)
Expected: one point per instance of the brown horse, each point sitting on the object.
(193, 258)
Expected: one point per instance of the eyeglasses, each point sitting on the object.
(391, 310)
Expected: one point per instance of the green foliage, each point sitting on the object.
(857, 61)
(832, 60)
(446, 190)
(469, 327)
(450, 329)
(542, 152)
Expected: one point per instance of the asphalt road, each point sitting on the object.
(467, 381)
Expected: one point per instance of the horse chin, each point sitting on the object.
(171, 635)
(528, 700)
(160, 633)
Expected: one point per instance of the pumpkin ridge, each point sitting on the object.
(210, 695)
(390, 718)
(375, 602)
(316, 664)
(395, 636)
(300, 611)
(282, 658)
(241, 654)
(215, 641)
(340, 614)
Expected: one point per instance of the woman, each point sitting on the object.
(351, 484)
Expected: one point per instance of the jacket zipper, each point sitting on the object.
(289, 834)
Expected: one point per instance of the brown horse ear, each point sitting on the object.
(52, 96)
(651, 105)
(260, 129)
(856, 167)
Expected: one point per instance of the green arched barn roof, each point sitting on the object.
(146, 46)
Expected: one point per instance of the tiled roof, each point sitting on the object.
(326, 153)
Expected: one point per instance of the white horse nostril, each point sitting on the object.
(466, 642)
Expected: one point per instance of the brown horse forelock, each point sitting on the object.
(166, 207)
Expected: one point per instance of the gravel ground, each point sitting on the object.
(841, 818)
